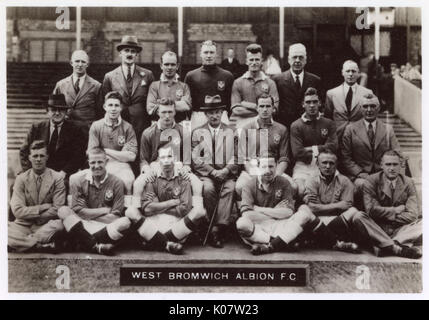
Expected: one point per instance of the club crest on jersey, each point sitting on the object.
(276, 138)
(179, 93)
(265, 87)
(324, 132)
(176, 192)
(279, 194)
(221, 85)
(108, 196)
(121, 140)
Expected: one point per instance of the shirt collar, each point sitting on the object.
(52, 125)
(89, 178)
(160, 174)
(300, 76)
(158, 124)
(305, 119)
(260, 185)
(259, 123)
(346, 87)
(81, 79)
(125, 69)
(374, 124)
(391, 182)
(212, 130)
(110, 124)
(35, 175)
(162, 78)
(262, 76)
(335, 175)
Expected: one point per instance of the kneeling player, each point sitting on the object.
(268, 222)
(95, 220)
(167, 217)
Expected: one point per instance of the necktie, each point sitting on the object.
(392, 192)
(371, 135)
(53, 142)
(349, 99)
(214, 145)
(129, 77)
(38, 185)
(76, 85)
(297, 83)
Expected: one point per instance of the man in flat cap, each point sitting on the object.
(82, 92)
(292, 84)
(132, 82)
(214, 162)
(64, 140)
(208, 80)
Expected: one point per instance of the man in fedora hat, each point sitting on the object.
(211, 80)
(64, 140)
(132, 82)
(82, 92)
(214, 162)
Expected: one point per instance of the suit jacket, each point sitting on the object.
(233, 67)
(25, 202)
(70, 152)
(356, 151)
(135, 102)
(290, 105)
(380, 205)
(203, 159)
(336, 109)
(86, 106)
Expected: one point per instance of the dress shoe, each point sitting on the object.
(174, 248)
(261, 248)
(350, 247)
(215, 240)
(410, 252)
(106, 249)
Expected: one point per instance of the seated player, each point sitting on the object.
(214, 155)
(117, 138)
(391, 201)
(37, 195)
(310, 135)
(166, 217)
(329, 195)
(268, 220)
(165, 132)
(96, 219)
(262, 137)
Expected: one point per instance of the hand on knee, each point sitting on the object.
(64, 212)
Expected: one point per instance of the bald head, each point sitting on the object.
(79, 62)
(350, 72)
(297, 57)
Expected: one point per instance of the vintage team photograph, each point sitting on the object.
(214, 149)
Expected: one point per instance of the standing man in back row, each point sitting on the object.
(292, 84)
(132, 82)
(208, 80)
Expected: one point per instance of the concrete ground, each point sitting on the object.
(329, 271)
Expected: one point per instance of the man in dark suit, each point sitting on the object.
(132, 82)
(214, 163)
(231, 64)
(82, 93)
(66, 145)
(292, 84)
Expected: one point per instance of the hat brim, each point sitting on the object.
(119, 47)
